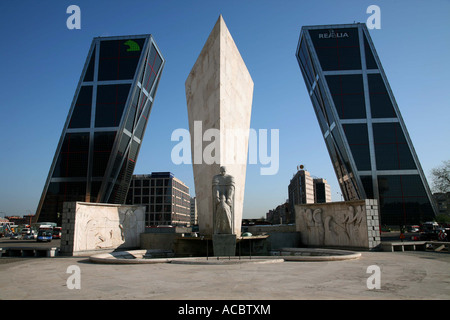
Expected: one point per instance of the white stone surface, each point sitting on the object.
(92, 226)
(219, 93)
(352, 224)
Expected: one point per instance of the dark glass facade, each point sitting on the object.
(365, 135)
(98, 149)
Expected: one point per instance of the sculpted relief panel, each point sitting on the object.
(88, 226)
(341, 224)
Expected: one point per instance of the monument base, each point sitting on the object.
(224, 245)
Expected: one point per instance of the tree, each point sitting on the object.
(443, 218)
(441, 177)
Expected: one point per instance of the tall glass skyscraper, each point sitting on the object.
(370, 149)
(100, 142)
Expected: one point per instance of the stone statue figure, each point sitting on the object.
(223, 202)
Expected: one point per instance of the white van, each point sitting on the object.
(429, 226)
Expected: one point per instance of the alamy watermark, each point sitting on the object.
(74, 20)
(74, 280)
(374, 21)
(374, 280)
(207, 147)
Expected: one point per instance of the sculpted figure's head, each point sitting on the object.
(223, 170)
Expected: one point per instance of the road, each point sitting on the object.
(7, 242)
(395, 236)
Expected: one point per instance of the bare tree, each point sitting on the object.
(441, 177)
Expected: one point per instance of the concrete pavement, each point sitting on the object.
(403, 275)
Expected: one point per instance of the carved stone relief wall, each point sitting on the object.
(339, 224)
(91, 226)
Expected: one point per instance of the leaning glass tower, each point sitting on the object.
(369, 146)
(100, 142)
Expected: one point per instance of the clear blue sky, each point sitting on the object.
(41, 61)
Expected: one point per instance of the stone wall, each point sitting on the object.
(350, 224)
(92, 227)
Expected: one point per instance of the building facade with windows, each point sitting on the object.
(165, 197)
(194, 215)
(366, 137)
(322, 190)
(300, 189)
(282, 214)
(304, 189)
(100, 142)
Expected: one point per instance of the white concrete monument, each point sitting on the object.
(219, 93)
(98, 226)
(347, 224)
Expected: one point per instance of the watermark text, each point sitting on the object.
(227, 147)
(74, 20)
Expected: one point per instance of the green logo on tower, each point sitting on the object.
(132, 46)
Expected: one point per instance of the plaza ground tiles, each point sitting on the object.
(412, 275)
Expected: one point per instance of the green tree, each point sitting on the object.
(443, 218)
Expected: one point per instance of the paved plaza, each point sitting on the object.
(404, 276)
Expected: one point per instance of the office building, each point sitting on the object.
(194, 215)
(369, 146)
(305, 189)
(322, 190)
(100, 142)
(301, 189)
(282, 214)
(165, 197)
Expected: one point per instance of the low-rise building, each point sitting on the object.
(165, 197)
(281, 214)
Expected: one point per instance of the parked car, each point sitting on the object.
(430, 235)
(429, 226)
(413, 228)
(15, 236)
(30, 236)
(25, 231)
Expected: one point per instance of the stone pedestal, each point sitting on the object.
(224, 245)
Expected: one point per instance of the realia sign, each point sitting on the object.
(332, 34)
